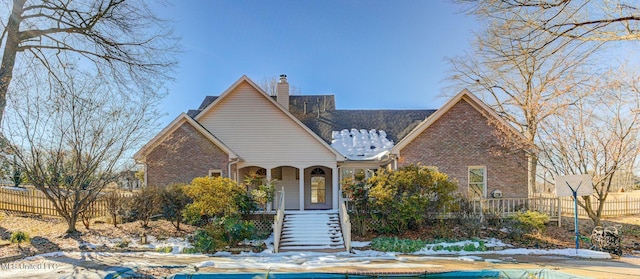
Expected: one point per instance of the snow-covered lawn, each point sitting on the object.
(178, 244)
(102, 264)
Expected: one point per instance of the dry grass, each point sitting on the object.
(48, 234)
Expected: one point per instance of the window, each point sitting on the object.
(477, 182)
(276, 173)
(215, 173)
(318, 186)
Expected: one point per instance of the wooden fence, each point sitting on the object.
(617, 204)
(31, 200)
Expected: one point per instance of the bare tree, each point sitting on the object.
(525, 87)
(121, 39)
(115, 205)
(598, 136)
(71, 140)
(591, 20)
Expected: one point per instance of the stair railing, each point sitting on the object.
(278, 221)
(345, 223)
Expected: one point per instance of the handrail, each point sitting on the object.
(345, 223)
(278, 222)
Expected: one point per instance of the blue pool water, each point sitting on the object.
(513, 273)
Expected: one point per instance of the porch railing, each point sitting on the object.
(278, 222)
(505, 207)
(345, 223)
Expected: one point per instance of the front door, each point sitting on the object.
(317, 188)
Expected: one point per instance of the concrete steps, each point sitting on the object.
(312, 231)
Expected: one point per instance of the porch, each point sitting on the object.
(312, 187)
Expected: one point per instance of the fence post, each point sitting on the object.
(626, 205)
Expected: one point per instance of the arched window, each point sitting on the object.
(261, 172)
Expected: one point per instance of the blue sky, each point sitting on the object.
(369, 54)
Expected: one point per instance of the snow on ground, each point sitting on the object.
(176, 244)
(67, 262)
(268, 260)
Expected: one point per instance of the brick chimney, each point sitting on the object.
(282, 91)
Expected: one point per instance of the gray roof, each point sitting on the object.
(206, 102)
(396, 123)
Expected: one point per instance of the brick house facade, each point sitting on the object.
(183, 154)
(245, 129)
(464, 137)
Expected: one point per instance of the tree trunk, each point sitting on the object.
(10, 50)
(532, 166)
(588, 207)
(71, 223)
(115, 220)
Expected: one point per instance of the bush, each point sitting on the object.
(123, 244)
(404, 199)
(144, 204)
(245, 203)
(238, 230)
(193, 216)
(19, 237)
(173, 201)
(221, 233)
(202, 242)
(164, 249)
(115, 206)
(212, 196)
(526, 222)
(394, 244)
(189, 250)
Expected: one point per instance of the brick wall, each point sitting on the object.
(463, 137)
(182, 156)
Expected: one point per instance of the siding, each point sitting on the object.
(463, 137)
(291, 193)
(261, 134)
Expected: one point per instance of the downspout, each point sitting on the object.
(144, 170)
(234, 161)
(146, 175)
(395, 161)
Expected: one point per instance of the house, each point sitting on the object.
(127, 180)
(309, 146)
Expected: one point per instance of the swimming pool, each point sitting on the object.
(510, 273)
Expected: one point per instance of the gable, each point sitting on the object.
(254, 125)
(185, 153)
(488, 114)
(181, 122)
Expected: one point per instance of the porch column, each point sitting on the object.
(269, 179)
(301, 170)
(336, 187)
